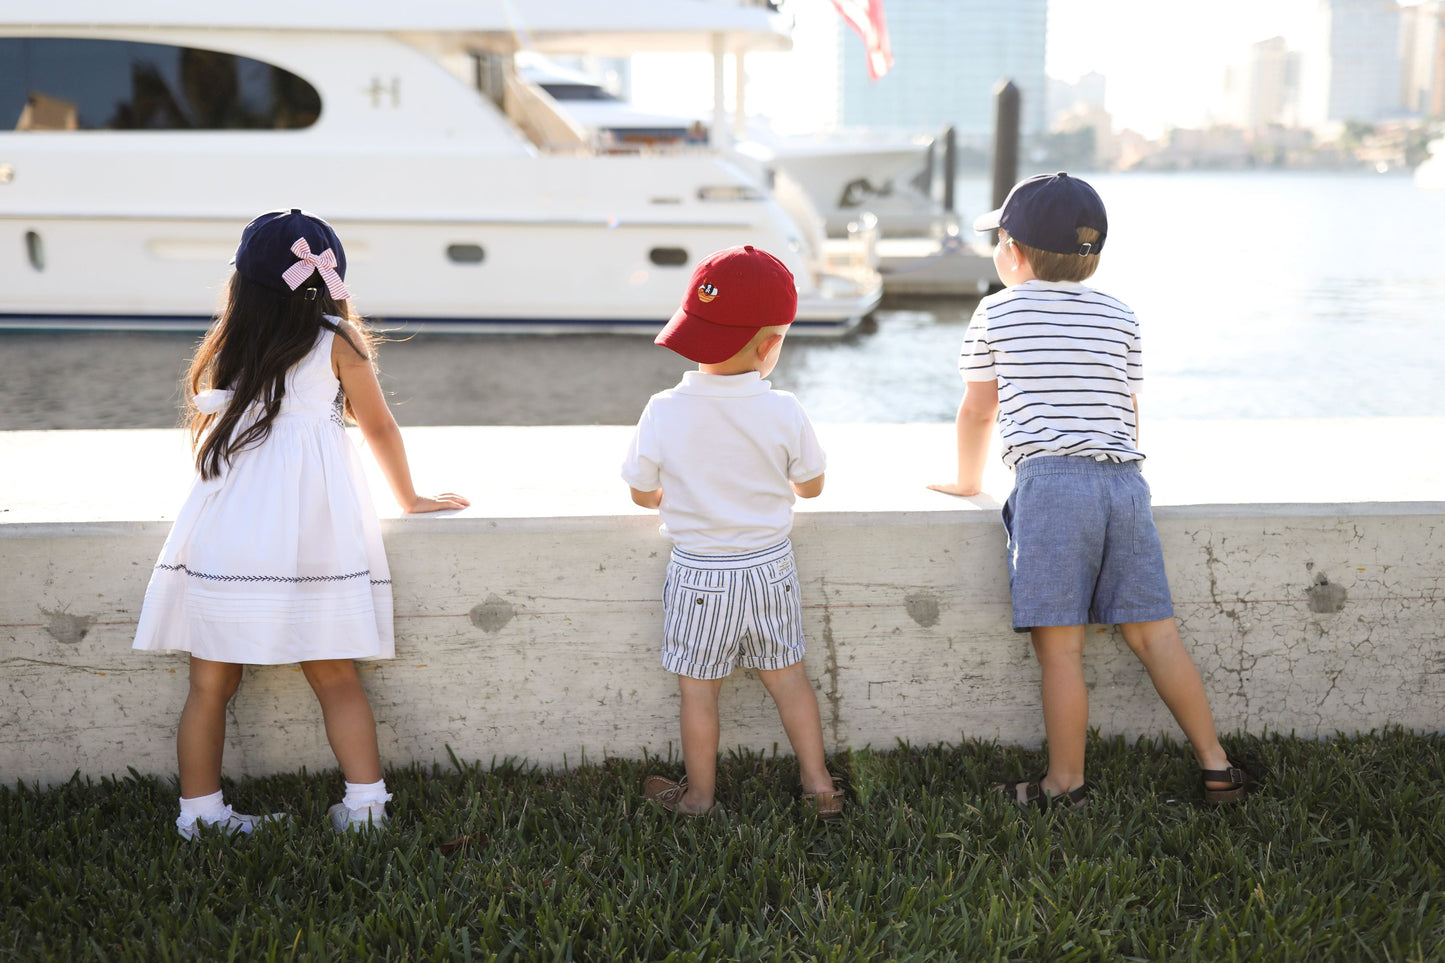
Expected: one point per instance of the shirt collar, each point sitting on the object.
(1037, 284)
(722, 386)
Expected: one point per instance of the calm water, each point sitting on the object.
(1261, 295)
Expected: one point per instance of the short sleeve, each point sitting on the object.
(975, 361)
(808, 461)
(642, 469)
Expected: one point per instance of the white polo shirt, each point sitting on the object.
(723, 449)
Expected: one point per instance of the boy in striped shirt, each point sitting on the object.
(1058, 364)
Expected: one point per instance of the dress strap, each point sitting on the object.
(321, 351)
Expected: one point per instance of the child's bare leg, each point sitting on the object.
(1175, 677)
(798, 708)
(699, 720)
(201, 735)
(350, 726)
(1060, 650)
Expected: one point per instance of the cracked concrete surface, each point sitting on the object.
(578, 675)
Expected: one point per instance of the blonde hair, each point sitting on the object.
(1048, 266)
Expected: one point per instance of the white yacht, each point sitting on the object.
(137, 138)
(1430, 174)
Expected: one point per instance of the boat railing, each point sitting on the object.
(659, 148)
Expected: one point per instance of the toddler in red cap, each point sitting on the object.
(722, 456)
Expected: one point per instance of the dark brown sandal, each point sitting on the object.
(1030, 792)
(1240, 782)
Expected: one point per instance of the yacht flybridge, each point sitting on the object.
(136, 139)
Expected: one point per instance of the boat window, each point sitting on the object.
(668, 256)
(35, 250)
(564, 91)
(56, 83)
(466, 253)
(489, 75)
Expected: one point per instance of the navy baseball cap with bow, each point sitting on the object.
(281, 249)
(1045, 212)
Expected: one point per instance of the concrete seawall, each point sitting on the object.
(528, 626)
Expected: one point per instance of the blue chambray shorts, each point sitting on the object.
(723, 611)
(1082, 546)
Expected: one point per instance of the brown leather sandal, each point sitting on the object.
(824, 805)
(668, 794)
(1240, 782)
(1030, 792)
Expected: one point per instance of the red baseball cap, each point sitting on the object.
(733, 293)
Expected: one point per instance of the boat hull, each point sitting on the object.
(144, 274)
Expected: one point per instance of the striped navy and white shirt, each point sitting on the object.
(1066, 359)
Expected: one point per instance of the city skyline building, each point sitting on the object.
(1422, 51)
(1067, 97)
(948, 57)
(1351, 65)
(1264, 90)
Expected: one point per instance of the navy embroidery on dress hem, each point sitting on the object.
(273, 578)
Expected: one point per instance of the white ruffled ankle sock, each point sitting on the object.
(199, 807)
(359, 794)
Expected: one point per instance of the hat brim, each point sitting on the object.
(988, 222)
(703, 341)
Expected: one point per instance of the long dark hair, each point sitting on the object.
(258, 336)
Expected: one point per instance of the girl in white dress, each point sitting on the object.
(276, 555)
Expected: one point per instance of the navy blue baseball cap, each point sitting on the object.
(281, 249)
(1045, 212)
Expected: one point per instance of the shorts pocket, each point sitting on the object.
(683, 597)
(689, 589)
(695, 626)
(1146, 535)
(780, 618)
(785, 594)
(698, 579)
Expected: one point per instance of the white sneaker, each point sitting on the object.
(225, 821)
(369, 816)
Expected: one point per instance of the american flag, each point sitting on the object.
(866, 17)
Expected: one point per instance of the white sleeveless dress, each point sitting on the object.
(279, 559)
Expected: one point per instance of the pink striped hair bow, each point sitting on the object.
(325, 262)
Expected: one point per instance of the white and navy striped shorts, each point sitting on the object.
(722, 611)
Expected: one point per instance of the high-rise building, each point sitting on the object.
(1351, 65)
(1422, 49)
(947, 57)
(1065, 98)
(1263, 90)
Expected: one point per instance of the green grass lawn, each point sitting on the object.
(1338, 857)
